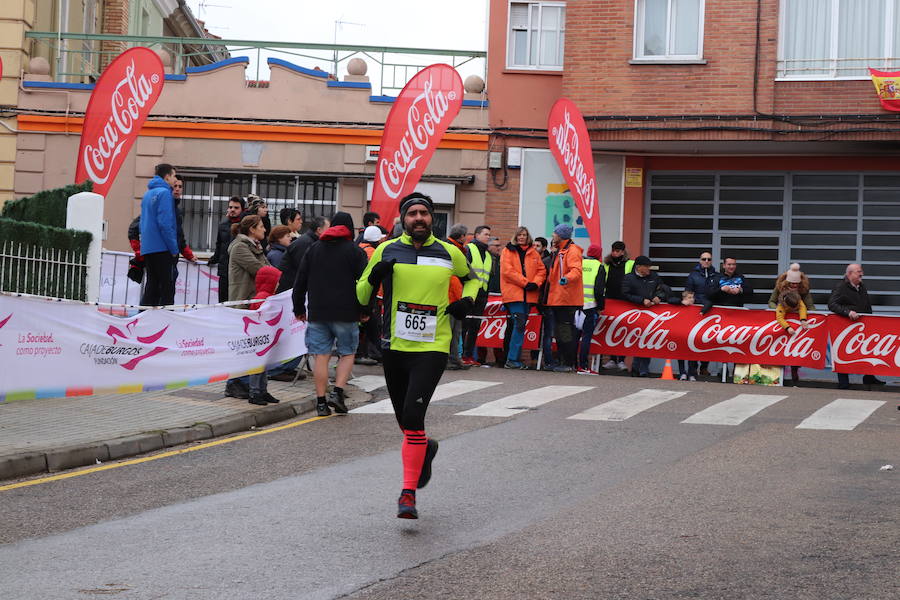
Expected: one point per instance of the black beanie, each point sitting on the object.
(342, 218)
(412, 200)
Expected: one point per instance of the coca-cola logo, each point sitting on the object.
(426, 113)
(127, 103)
(494, 322)
(566, 138)
(854, 345)
(119, 105)
(769, 339)
(639, 329)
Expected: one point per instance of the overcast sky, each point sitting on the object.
(457, 25)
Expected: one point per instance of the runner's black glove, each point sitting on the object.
(531, 286)
(380, 271)
(461, 308)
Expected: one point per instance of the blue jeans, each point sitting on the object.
(549, 324)
(290, 365)
(641, 365)
(587, 334)
(691, 368)
(258, 382)
(518, 321)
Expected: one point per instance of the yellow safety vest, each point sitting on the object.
(590, 268)
(481, 267)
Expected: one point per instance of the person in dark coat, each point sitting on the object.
(644, 288)
(729, 288)
(699, 279)
(328, 274)
(850, 299)
(223, 240)
(290, 262)
(257, 206)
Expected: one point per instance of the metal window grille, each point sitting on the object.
(205, 199)
(769, 220)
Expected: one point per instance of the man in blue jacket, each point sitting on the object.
(159, 238)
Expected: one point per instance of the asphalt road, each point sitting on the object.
(530, 503)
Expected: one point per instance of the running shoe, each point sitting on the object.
(336, 401)
(584, 371)
(610, 364)
(622, 366)
(322, 409)
(562, 369)
(514, 365)
(692, 378)
(683, 377)
(430, 452)
(406, 505)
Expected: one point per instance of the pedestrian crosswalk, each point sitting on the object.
(843, 414)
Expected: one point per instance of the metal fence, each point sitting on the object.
(41, 271)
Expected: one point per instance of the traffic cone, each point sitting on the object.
(667, 371)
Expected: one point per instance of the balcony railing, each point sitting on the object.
(80, 57)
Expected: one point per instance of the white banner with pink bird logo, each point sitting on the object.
(53, 349)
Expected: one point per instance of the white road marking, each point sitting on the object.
(843, 414)
(517, 403)
(367, 383)
(735, 410)
(442, 392)
(627, 406)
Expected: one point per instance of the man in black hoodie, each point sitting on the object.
(328, 273)
(223, 240)
(644, 288)
(290, 263)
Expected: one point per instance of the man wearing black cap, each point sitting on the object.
(642, 287)
(328, 273)
(415, 271)
(616, 266)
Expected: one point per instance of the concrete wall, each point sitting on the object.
(16, 17)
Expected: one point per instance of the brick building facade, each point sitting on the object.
(748, 128)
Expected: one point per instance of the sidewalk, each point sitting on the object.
(46, 435)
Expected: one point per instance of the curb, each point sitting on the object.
(23, 464)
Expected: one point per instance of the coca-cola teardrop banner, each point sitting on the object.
(418, 120)
(730, 335)
(119, 105)
(571, 147)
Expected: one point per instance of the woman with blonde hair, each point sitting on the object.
(792, 281)
(521, 274)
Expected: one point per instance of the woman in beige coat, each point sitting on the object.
(245, 258)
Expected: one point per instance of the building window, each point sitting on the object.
(205, 199)
(766, 221)
(838, 39)
(536, 35)
(668, 30)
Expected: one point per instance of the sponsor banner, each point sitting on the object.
(119, 105)
(867, 346)
(887, 86)
(492, 330)
(196, 283)
(67, 349)
(418, 120)
(730, 335)
(571, 147)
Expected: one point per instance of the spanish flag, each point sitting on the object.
(887, 86)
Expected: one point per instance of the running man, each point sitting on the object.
(415, 271)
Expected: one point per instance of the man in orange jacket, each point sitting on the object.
(565, 295)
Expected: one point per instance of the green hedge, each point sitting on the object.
(30, 261)
(47, 207)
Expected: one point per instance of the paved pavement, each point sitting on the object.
(58, 433)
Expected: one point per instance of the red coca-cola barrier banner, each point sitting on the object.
(571, 147)
(731, 335)
(119, 105)
(492, 330)
(867, 346)
(418, 120)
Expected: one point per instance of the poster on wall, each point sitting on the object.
(418, 120)
(119, 105)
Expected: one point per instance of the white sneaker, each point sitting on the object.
(622, 366)
(683, 377)
(610, 364)
(692, 378)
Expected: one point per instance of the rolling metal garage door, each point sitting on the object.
(768, 220)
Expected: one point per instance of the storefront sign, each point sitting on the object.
(571, 147)
(730, 335)
(492, 330)
(418, 120)
(119, 105)
(887, 86)
(68, 349)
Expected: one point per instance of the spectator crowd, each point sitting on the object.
(322, 259)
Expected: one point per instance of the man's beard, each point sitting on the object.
(418, 236)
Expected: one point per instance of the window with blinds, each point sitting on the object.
(536, 35)
(769, 220)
